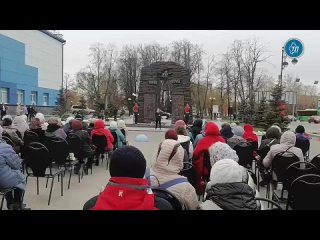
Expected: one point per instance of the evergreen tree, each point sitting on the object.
(260, 115)
(274, 115)
(242, 111)
(83, 102)
(60, 103)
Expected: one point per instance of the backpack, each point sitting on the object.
(186, 146)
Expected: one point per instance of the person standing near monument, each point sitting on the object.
(158, 118)
(136, 112)
(3, 109)
(186, 113)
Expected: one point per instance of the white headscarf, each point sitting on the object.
(227, 171)
(20, 124)
(219, 151)
(121, 124)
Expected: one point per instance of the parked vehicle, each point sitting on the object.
(314, 119)
(77, 108)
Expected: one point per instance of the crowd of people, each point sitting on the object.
(219, 179)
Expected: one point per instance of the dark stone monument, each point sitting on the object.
(164, 85)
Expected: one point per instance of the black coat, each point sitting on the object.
(232, 196)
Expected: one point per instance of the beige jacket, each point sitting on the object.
(165, 170)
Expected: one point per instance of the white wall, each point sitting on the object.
(42, 52)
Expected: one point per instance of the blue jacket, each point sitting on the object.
(120, 136)
(10, 168)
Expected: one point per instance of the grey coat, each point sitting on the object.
(10, 168)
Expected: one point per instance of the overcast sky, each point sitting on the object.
(215, 42)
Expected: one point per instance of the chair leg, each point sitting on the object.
(2, 200)
(27, 179)
(258, 180)
(37, 185)
(50, 191)
(47, 182)
(61, 183)
(70, 178)
(58, 177)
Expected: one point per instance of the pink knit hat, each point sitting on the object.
(180, 123)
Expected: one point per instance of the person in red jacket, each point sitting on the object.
(136, 112)
(186, 113)
(248, 133)
(99, 130)
(126, 189)
(212, 135)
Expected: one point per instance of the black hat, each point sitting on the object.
(127, 161)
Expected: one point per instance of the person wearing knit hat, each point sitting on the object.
(233, 125)
(54, 128)
(237, 138)
(167, 166)
(42, 120)
(123, 129)
(67, 125)
(35, 126)
(228, 188)
(180, 123)
(300, 133)
(272, 137)
(171, 134)
(126, 189)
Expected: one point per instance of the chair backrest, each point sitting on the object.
(58, 149)
(305, 192)
(316, 161)
(189, 172)
(269, 201)
(115, 140)
(280, 163)
(123, 131)
(304, 145)
(75, 145)
(100, 141)
(168, 196)
(207, 164)
(30, 136)
(298, 169)
(245, 154)
(8, 141)
(37, 158)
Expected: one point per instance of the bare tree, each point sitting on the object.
(153, 52)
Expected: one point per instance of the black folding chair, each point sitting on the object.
(59, 153)
(273, 203)
(280, 163)
(305, 193)
(316, 161)
(76, 147)
(115, 140)
(304, 145)
(38, 159)
(100, 141)
(189, 172)
(168, 196)
(245, 154)
(3, 192)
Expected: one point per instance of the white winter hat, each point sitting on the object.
(227, 171)
(219, 151)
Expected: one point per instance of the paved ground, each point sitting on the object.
(79, 193)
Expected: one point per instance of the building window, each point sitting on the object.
(4, 95)
(46, 99)
(20, 96)
(34, 98)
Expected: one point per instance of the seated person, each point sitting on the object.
(11, 175)
(127, 188)
(302, 140)
(114, 129)
(20, 124)
(11, 132)
(228, 188)
(287, 142)
(167, 167)
(54, 128)
(124, 130)
(35, 126)
(237, 138)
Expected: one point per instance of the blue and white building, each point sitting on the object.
(31, 67)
